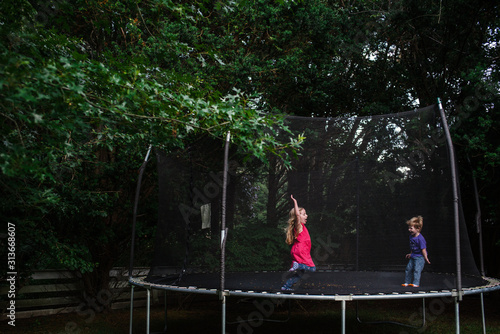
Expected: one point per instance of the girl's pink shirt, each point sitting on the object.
(301, 248)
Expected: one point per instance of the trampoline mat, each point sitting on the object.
(321, 283)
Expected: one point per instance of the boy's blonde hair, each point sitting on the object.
(416, 222)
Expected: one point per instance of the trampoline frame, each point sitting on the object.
(457, 293)
(493, 285)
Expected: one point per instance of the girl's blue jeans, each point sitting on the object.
(414, 270)
(297, 275)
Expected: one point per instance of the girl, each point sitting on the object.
(298, 236)
(418, 255)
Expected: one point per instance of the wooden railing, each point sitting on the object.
(59, 291)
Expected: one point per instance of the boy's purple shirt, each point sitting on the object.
(417, 244)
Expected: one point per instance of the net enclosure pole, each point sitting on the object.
(480, 233)
(134, 217)
(223, 233)
(454, 182)
(357, 213)
(478, 225)
(132, 242)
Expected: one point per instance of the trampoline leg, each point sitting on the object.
(148, 310)
(457, 317)
(482, 313)
(343, 316)
(131, 308)
(165, 308)
(223, 298)
(423, 313)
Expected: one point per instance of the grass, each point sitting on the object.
(202, 314)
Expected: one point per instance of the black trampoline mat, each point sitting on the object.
(321, 283)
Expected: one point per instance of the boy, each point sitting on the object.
(418, 255)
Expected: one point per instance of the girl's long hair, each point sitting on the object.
(291, 232)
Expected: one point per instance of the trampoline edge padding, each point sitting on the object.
(440, 285)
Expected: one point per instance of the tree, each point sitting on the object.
(78, 113)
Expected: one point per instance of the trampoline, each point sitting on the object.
(323, 284)
(220, 219)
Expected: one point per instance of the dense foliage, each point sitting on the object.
(77, 119)
(87, 86)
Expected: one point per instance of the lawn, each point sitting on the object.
(202, 314)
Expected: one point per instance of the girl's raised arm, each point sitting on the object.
(298, 224)
(296, 208)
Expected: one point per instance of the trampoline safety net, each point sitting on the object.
(360, 179)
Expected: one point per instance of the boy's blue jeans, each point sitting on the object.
(414, 270)
(297, 275)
